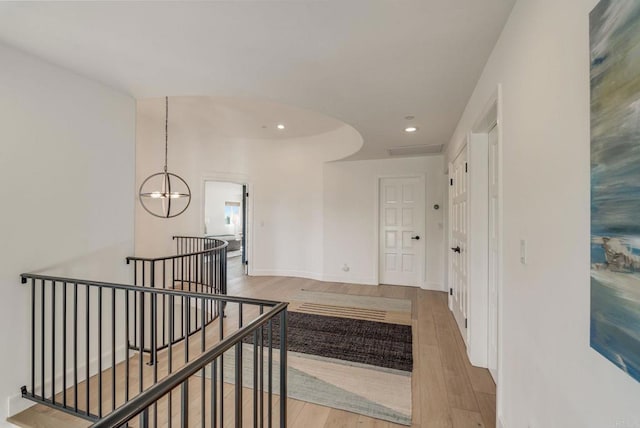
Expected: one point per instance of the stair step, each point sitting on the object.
(40, 416)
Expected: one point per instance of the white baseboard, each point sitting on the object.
(434, 286)
(17, 404)
(312, 275)
(342, 279)
(284, 272)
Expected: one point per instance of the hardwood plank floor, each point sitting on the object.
(447, 391)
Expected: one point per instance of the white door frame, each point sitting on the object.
(236, 179)
(458, 295)
(376, 224)
(491, 117)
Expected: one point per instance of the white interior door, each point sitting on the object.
(458, 261)
(494, 249)
(401, 231)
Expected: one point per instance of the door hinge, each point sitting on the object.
(451, 181)
(465, 323)
(451, 292)
(246, 262)
(246, 194)
(466, 167)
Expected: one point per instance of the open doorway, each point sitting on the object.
(225, 217)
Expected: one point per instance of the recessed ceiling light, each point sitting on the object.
(280, 126)
(409, 117)
(410, 129)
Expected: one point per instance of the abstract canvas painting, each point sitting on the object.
(615, 182)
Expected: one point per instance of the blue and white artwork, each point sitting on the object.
(615, 182)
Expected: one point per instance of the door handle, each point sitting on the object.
(456, 249)
(417, 237)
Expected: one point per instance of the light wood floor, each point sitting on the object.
(447, 391)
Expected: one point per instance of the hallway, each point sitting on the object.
(446, 390)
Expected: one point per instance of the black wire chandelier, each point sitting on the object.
(164, 194)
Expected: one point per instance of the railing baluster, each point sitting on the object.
(223, 286)
(202, 348)
(64, 343)
(261, 370)
(154, 349)
(210, 264)
(215, 276)
(214, 390)
(53, 342)
(283, 369)
(182, 287)
(184, 405)
(238, 380)
(239, 372)
(170, 351)
(144, 418)
(141, 345)
(100, 351)
(154, 322)
(255, 378)
(75, 346)
(270, 375)
(126, 344)
(113, 349)
(143, 297)
(42, 361)
(135, 305)
(87, 351)
(164, 305)
(221, 318)
(187, 316)
(33, 336)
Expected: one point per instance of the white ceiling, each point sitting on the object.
(368, 63)
(248, 118)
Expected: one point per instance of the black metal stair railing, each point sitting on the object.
(82, 362)
(199, 265)
(211, 398)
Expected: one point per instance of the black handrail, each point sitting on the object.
(224, 244)
(152, 395)
(217, 297)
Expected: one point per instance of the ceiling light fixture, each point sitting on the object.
(164, 194)
(280, 126)
(410, 129)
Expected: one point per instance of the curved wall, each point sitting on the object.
(285, 178)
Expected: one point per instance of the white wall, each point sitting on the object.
(351, 219)
(217, 193)
(550, 375)
(284, 177)
(294, 198)
(67, 170)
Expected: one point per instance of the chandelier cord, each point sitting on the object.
(166, 131)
